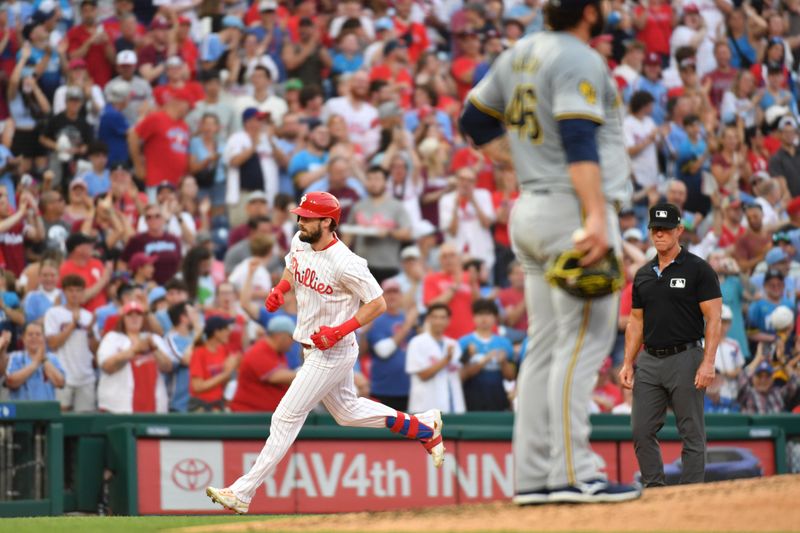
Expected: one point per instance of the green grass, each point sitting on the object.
(123, 524)
(117, 524)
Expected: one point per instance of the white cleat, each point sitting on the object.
(435, 445)
(227, 499)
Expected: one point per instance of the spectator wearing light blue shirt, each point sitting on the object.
(37, 302)
(33, 373)
(487, 359)
(98, 179)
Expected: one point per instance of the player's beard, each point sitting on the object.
(311, 237)
(597, 27)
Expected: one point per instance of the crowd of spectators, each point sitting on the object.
(150, 152)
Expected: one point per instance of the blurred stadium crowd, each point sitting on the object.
(150, 152)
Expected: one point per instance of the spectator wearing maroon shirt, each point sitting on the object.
(159, 143)
(255, 207)
(156, 242)
(339, 170)
(722, 77)
(153, 57)
(15, 228)
(90, 42)
(264, 376)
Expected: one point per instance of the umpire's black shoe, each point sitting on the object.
(531, 497)
(595, 491)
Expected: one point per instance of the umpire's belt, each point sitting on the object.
(671, 350)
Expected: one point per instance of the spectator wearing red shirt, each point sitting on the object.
(156, 242)
(654, 26)
(394, 70)
(186, 48)
(159, 143)
(226, 305)
(264, 376)
(415, 33)
(111, 25)
(503, 201)
(463, 67)
(455, 288)
(607, 394)
(80, 262)
(90, 42)
(512, 299)
(481, 164)
(211, 366)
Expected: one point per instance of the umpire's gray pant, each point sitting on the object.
(662, 382)
(568, 339)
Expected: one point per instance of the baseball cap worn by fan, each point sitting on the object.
(281, 324)
(127, 57)
(256, 196)
(252, 112)
(139, 260)
(775, 255)
(156, 294)
(132, 307)
(793, 208)
(390, 285)
(773, 274)
(764, 368)
(666, 216)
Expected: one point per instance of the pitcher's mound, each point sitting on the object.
(752, 505)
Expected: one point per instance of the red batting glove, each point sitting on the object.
(275, 298)
(327, 336)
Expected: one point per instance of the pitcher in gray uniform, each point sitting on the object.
(553, 96)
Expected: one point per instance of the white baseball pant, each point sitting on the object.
(327, 377)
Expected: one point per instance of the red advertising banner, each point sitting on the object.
(319, 476)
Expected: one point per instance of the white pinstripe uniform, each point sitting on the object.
(330, 285)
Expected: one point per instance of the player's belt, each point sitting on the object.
(671, 350)
(615, 203)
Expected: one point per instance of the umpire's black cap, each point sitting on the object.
(664, 215)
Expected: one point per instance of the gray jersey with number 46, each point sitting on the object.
(544, 78)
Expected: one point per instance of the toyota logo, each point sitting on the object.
(191, 474)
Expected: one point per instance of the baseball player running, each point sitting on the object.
(330, 283)
(563, 121)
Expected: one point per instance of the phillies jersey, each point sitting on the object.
(330, 285)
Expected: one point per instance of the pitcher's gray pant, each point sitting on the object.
(662, 382)
(568, 339)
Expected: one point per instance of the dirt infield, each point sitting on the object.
(754, 505)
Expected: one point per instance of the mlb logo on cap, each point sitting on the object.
(664, 216)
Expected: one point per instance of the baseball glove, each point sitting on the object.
(599, 279)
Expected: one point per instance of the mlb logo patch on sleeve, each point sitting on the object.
(677, 283)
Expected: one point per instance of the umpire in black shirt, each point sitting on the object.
(672, 294)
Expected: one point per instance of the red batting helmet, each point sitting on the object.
(319, 205)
